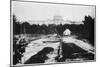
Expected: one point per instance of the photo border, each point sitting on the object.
(11, 34)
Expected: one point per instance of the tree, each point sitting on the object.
(89, 28)
(16, 25)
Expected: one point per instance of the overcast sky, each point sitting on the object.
(26, 11)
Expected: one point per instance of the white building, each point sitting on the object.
(67, 32)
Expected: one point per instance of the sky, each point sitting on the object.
(30, 11)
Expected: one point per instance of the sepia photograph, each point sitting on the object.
(52, 33)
